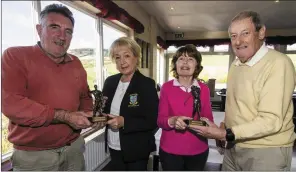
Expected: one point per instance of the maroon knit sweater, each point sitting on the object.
(33, 86)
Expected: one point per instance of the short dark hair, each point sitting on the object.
(255, 17)
(57, 8)
(191, 51)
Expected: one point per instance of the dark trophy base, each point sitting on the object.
(195, 122)
(98, 119)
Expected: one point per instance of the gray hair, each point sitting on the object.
(57, 8)
(255, 17)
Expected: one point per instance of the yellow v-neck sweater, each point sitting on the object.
(259, 106)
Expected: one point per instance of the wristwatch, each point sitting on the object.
(230, 137)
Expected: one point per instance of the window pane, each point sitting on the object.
(110, 34)
(291, 47)
(270, 46)
(203, 49)
(84, 43)
(160, 66)
(216, 67)
(16, 20)
(221, 48)
(172, 49)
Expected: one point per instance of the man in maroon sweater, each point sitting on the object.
(46, 97)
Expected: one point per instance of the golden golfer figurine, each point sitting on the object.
(98, 106)
(196, 108)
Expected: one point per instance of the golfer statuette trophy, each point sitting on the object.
(195, 91)
(98, 106)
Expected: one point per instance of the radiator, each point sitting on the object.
(94, 153)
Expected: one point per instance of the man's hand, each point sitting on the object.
(178, 122)
(115, 122)
(211, 131)
(78, 120)
(221, 144)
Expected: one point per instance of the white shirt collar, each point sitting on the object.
(176, 83)
(258, 56)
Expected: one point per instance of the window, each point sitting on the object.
(110, 34)
(270, 46)
(216, 67)
(17, 19)
(291, 47)
(221, 48)
(84, 43)
(203, 49)
(160, 66)
(172, 49)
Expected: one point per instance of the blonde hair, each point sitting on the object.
(129, 43)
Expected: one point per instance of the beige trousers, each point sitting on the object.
(67, 158)
(257, 159)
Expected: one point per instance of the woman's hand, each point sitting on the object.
(178, 123)
(115, 122)
(212, 131)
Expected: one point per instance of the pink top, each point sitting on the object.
(176, 102)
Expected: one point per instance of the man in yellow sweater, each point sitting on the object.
(259, 107)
